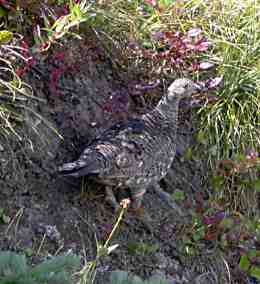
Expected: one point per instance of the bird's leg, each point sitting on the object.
(166, 197)
(137, 197)
(111, 199)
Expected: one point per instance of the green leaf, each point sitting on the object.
(6, 219)
(76, 10)
(118, 277)
(256, 185)
(54, 267)
(102, 250)
(3, 12)
(165, 3)
(28, 252)
(244, 263)
(217, 182)
(147, 44)
(141, 248)
(227, 223)
(198, 234)
(240, 157)
(213, 150)
(5, 36)
(12, 263)
(189, 250)
(188, 154)
(201, 138)
(156, 280)
(255, 272)
(136, 280)
(178, 195)
(252, 253)
(14, 269)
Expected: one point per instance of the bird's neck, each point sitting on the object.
(168, 110)
(165, 117)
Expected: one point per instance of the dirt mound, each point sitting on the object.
(78, 87)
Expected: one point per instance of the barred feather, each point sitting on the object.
(137, 152)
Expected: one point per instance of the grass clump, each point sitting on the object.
(88, 272)
(14, 93)
(231, 125)
(36, 27)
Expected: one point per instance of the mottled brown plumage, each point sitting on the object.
(138, 152)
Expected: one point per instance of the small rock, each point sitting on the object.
(161, 260)
(51, 232)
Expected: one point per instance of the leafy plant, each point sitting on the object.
(56, 27)
(14, 269)
(236, 182)
(141, 248)
(3, 217)
(123, 277)
(250, 262)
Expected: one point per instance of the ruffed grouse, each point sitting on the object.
(138, 152)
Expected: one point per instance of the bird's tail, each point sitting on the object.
(83, 166)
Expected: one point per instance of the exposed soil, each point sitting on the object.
(51, 215)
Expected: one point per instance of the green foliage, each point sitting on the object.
(3, 217)
(78, 13)
(141, 248)
(178, 195)
(123, 277)
(5, 37)
(14, 94)
(246, 264)
(231, 125)
(3, 12)
(14, 269)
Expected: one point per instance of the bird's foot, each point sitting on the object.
(111, 199)
(166, 197)
(137, 197)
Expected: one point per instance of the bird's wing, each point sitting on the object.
(124, 146)
(117, 152)
(88, 164)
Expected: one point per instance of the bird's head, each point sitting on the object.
(182, 88)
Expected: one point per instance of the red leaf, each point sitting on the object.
(201, 45)
(210, 234)
(152, 3)
(205, 65)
